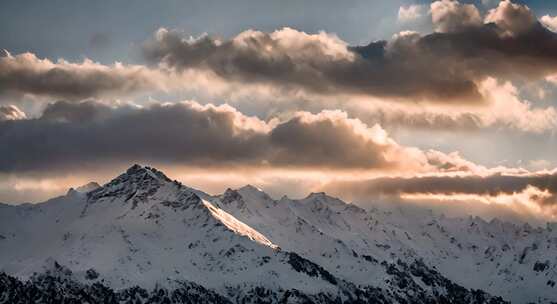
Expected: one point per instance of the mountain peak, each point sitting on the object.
(136, 182)
(318, 196)
(134, 167)
(144, 171)
(230, 196)
(140, 176)
(252, 193)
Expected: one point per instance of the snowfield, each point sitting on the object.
(143, 230)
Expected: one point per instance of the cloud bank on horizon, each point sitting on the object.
(302, 111)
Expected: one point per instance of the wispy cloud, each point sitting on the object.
(410, 13)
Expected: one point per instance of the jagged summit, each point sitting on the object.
(230, 196)
(137, 182)
(320, 195)
(146, 172)
(317, 195)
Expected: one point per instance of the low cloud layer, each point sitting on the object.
(536, 191)
(491, 185)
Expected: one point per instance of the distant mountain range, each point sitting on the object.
(143, 238)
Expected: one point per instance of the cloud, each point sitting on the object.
(11, 112)
(508, 110)
(330, 137)
(27, 74)
(491, 185)
(68, 112)
(25, 189)
(451, 16)
(409, 13)
(503, 108)
(73, 135)
(207, 144)
(540, 164)
(513, 19)
(535, 191)
(549, 22)
(445, 67)
(287, 56)
(320, 63)
(435, 81)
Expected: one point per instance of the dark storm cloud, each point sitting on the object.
(27, 74)
(444, 66)
(70, 135)
(173, 133)
(318, 142)
(86, 111)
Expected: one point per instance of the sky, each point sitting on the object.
(446, 104)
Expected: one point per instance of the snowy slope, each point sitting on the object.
(143, 229)
(516, 262)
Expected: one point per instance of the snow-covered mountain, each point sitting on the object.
(143, 236)
(144, 229)
(516, 262)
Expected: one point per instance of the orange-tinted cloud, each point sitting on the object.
(70, 135)
(443, 67)
(27, 74)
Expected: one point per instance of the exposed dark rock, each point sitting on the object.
(49, 288)
(302, 265)
(541, 266)
(91, 274)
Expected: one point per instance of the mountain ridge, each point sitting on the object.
(144, 229)
(400, 235)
